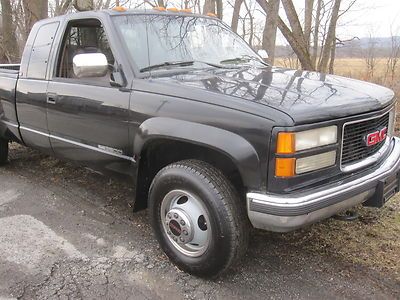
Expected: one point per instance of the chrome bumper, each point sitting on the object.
(283, 213)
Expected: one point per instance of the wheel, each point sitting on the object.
(3, 151)
(198, 218)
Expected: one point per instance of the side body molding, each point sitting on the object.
(238, 149)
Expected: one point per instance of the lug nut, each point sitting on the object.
(182, 239)
(169, 232)
(183, 223)
(176, 216)
(169, 216)
(185, 232)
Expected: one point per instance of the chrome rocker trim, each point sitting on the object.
(283, 213)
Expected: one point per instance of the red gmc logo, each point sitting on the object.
(376, 137)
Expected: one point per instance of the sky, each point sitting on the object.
(372, 17)
(366, 18)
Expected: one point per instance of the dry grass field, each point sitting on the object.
(374, 239)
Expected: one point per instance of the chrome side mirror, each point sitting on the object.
(90, 65)
(263, 54)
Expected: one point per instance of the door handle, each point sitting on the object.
(52, 98)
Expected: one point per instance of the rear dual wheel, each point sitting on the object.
(197, 218)
(3, 151)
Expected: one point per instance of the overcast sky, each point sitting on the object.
(377, 17)
(365, 18)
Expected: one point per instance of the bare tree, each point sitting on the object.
(330, 41)
(213, 7)
(236, 14)
(83, 5)
(9, 43)
(34, 10)
(270, 29)
(394, 57)
(308, 20)
(370, 56)
(60, 7)
(316, 32)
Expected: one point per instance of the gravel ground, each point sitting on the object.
(68, 233)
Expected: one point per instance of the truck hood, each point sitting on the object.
(305, 96)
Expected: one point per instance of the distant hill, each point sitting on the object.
(354, 48)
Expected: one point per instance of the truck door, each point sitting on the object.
(87, 117)
(32, 85)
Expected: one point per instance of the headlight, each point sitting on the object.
(288, 143)
(315, 162)
(315, 138)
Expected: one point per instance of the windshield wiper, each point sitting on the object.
(241, 59)
(168, 64)
(181, 64)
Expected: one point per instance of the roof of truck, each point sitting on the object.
(112, 12)
(168, 12)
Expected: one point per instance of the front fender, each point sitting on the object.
(238, 149)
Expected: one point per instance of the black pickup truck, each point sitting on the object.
(214, 139)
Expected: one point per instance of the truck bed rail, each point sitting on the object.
(12, 67)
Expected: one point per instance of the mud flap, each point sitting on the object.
(385, 189)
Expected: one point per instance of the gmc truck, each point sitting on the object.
(214, 140)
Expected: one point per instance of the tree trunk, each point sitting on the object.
(62, 7)
(316, 33)
(34, 10)
(9, 46)
(293, 19)
(209, 7)
(308, 20)
(251, 23)
(236, 14)
(330, 38)
(295, 39)
(219, 8)
(270, 29)
(332, 59)
(83, 5)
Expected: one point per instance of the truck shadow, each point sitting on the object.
(305, 259)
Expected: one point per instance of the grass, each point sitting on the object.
(374, 239)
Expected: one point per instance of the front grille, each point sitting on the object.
(354, 147)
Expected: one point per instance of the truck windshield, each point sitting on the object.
(172, 39)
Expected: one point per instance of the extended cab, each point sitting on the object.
(214, 139)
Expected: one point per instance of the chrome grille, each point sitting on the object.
(354, 147)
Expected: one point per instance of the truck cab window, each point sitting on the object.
(87, 36)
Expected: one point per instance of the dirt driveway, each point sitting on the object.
(69, 233)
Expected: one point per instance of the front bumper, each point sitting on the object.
(283, 213)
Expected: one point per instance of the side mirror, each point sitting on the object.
(262, 53)
(90, 65)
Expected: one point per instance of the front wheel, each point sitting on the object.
(197, 218)
(3, 151)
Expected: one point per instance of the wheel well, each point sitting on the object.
(160, 153)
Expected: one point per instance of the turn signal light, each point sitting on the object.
(160, 8)
(120, 8)
(174, 9)
(211, 15)
(186, 10)
(285, 167)
(286, 143)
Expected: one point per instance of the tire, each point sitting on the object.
(214, 233)
(3, 151)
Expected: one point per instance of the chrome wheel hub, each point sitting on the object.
(179, 225)
(186, 223)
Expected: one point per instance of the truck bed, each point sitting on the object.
(9, 67)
